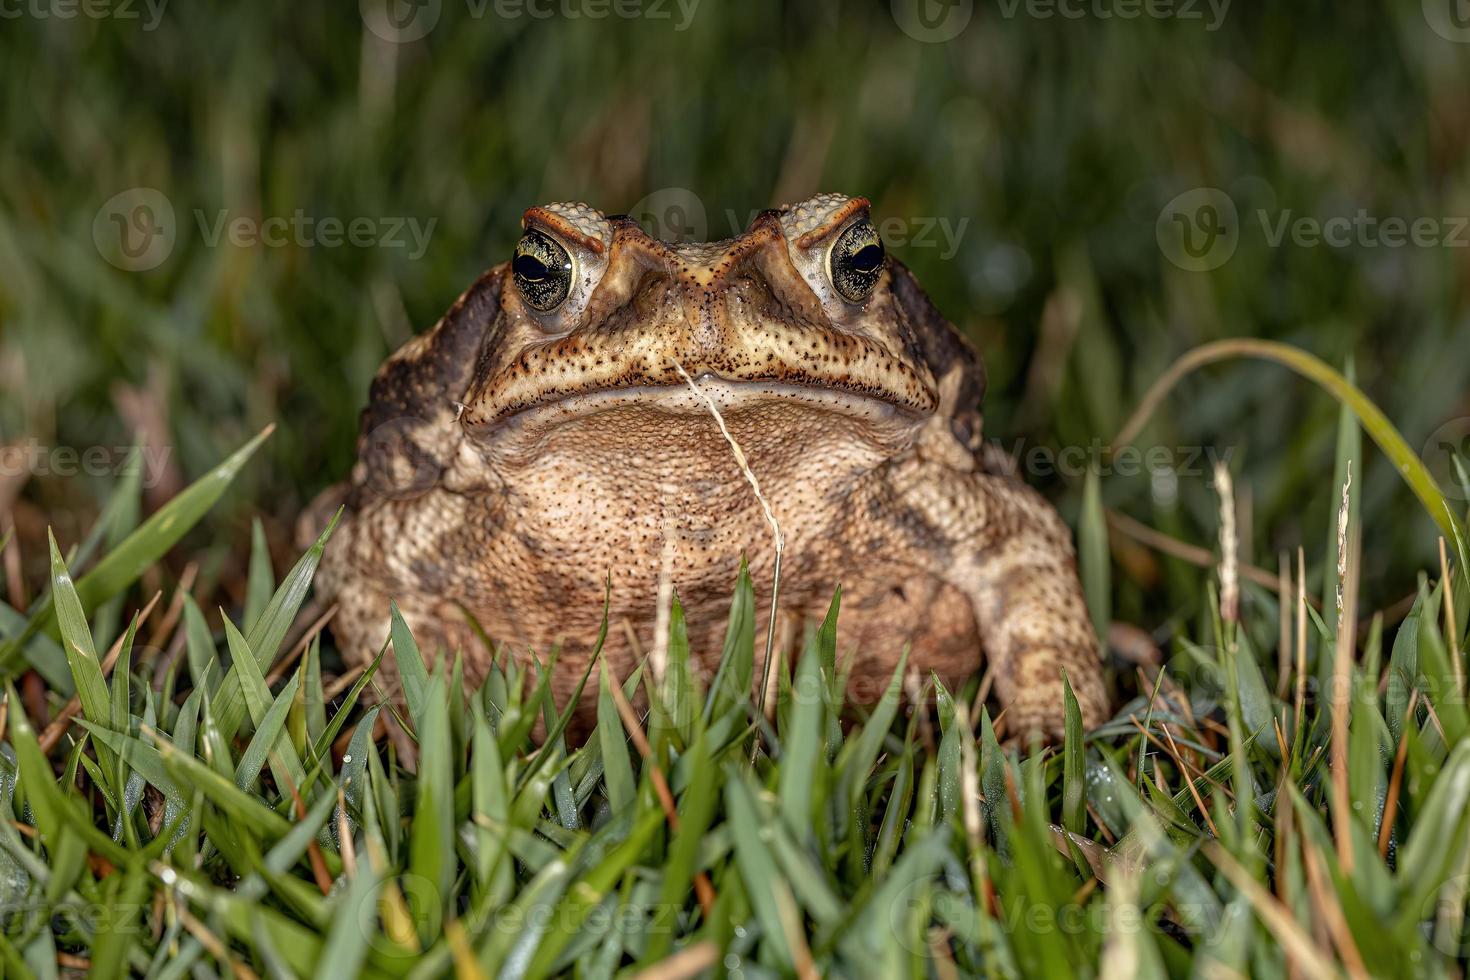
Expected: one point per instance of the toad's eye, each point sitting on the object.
(856, 261)
(542, 270)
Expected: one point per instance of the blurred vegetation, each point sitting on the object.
(1049, 144)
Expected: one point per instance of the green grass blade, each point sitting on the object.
(81, 655)
(1403, 668)
(260, 579)
(1094, 558)
(1074, 776)
(284, 761)
(732, 684)
(757, 866)
(801, 746)
(491, 814)
(344, 951)
(864, 752)
(412, 672)
(617, 769)
(315, 694)
(204, 664)
(120, 932)
(431, 853)
(696, 812)
(680, 693)
(271, 727)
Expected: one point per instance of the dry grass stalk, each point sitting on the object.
(776, 535)
(1342, 679)
(1229, 547)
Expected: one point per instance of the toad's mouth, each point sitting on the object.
(568, 379)
(707, 391)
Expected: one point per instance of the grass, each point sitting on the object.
(1282, 795)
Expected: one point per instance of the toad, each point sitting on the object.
(564, 435)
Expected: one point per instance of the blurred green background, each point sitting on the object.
(1024, 159)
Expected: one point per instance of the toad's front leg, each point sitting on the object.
(1006, 548)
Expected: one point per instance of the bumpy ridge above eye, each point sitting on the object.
(584, 219)
(811, 215)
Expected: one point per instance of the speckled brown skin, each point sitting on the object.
(513, 462)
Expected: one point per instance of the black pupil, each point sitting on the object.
(530, 268)
(867, 258)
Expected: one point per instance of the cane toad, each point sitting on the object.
(542, 441)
